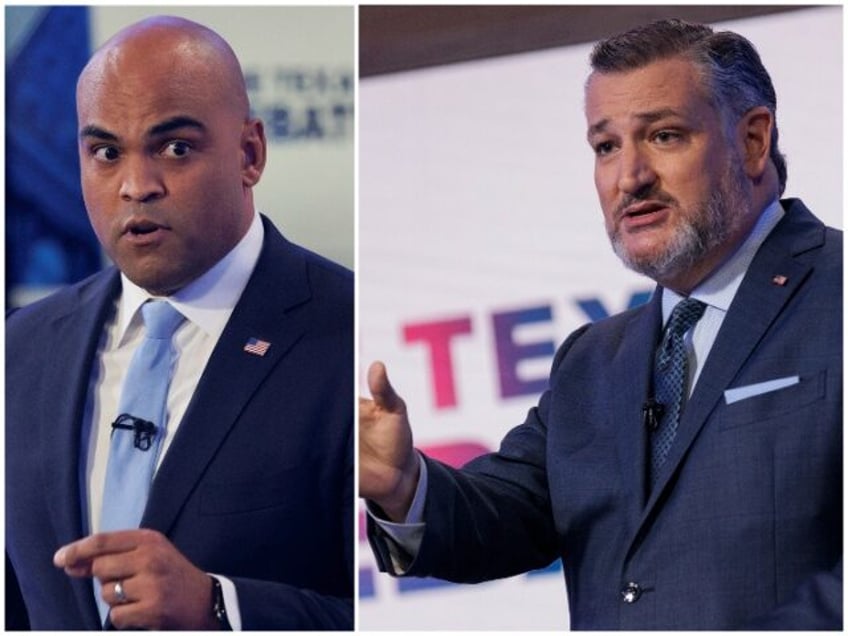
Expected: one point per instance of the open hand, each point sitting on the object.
(388, 464)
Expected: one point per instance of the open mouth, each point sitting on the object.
(141, 227)
(642, 209)
(643, 215)
(639, 213)
(141, 230)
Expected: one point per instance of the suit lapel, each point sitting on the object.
(231, 377)
(757, 304)
(630, 384)
(75, 340)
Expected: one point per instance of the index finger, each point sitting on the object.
(78, 555)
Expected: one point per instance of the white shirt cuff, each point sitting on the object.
(407, 535)
(228, 590)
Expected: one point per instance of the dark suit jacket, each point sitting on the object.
(258, 482)
(743, 528)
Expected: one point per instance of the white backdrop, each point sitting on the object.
(481, 246)
(299, 62)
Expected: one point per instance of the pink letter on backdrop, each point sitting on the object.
(437, 336)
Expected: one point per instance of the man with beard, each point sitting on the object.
(686, 461)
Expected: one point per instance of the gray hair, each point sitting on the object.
(732, 70)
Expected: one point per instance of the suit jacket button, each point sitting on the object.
(631, 593)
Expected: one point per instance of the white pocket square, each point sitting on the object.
(745, 392)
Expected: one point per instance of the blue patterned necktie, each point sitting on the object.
(140, 427)
(671, 377)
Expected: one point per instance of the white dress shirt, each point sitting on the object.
(207, 304)
(717, 292)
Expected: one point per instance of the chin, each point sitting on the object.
(654, 263)
(641, 255)
(156, 284)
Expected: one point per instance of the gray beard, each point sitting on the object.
(698, 235)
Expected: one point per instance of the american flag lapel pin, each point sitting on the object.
(257, 347)
(780, 280)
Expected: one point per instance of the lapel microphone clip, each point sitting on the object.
(144, 430)
(652, 411)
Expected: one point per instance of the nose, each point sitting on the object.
(635, 172)
(141, 180)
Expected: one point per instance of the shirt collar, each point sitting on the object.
(209, 300)
(719, 289)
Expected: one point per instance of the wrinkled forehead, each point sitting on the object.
(666, 83)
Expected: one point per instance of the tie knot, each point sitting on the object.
(685, 314)
(160, 319)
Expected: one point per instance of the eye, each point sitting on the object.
(666, 136)
(176, 149)
(603, 148)
(106, 154)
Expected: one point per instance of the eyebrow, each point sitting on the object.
(175, 123)
(648, 118)
(162, 128)
(97, 132)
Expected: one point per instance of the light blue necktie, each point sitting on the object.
(140, 426)
(670, 378)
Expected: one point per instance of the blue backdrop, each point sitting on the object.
(49, 241)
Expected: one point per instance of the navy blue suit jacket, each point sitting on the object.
(258, 482)
(744, 526)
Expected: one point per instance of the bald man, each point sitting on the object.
(247, 522)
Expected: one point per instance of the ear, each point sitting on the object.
(254, 152)
(755, 136)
